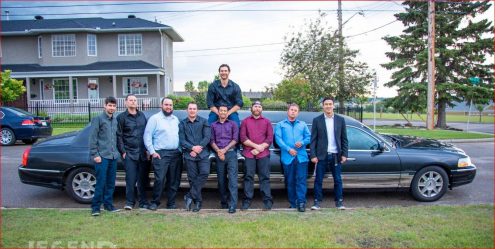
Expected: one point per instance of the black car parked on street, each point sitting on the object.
(424, 166)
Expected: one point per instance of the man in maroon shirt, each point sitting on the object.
(256, 136)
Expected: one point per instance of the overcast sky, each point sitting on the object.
(215, 35)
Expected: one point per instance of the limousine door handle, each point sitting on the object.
(351, 159)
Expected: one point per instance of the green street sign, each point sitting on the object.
(474, 80)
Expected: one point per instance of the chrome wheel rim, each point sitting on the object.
(6, 137)
(84, 184)
(430, 184)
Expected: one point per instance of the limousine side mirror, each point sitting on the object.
(381, 146)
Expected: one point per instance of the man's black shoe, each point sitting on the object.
(144, 206)
(153, 207)
(301, 207)
(245, 205)
(197, 206)
(231, 210)
(267, 205)
(188, 201)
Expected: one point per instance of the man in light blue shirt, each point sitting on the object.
(161, 138)
(292, 136)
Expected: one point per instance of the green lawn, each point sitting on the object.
(400, 227)
(435, 134)
(57, 131)
(450, 117)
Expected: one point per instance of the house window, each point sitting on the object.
(61, 89)
(135, 85)
(92, 45)
(64, 45)
(130, 44)
(40, 54)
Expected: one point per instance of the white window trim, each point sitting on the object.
(75, 46)
(96, 44)
(124, 85)
(40, 49)
(118, 44)
(76, 100)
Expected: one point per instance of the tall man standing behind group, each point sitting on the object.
(161, 138)
(224, 92)
(328, 149)
(130, 131)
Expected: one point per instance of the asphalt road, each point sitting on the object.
(473, 127)
(16, 194)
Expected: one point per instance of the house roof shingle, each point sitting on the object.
(97, 24)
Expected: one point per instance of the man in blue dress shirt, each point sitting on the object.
(292, 136)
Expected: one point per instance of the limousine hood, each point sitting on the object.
(412, 142)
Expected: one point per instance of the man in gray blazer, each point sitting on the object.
(328, 149)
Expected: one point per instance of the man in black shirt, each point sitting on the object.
(224, 92)
(130, 143)
(194, 137)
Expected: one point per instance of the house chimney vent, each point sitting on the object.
(38, 17)
(131, 16)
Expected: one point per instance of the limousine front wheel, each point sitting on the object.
(429, 184)
(80, 185)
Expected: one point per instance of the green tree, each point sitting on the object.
(295, 90)
(314, 54)
(461, 46)
(203, 86)
(11, 88)
(247, 102)
(189, 86)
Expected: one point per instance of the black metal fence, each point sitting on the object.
(79, 115)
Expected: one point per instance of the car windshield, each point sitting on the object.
(19, 112)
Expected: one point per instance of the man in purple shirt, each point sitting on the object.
(256, 136)
(224, 135)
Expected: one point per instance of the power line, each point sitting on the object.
(371, 30)
(92, 5)
(200, 10)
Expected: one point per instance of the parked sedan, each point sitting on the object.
(17, 124)
(426, 167)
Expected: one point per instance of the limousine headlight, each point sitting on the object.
(464, 162)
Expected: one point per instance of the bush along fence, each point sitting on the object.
(79, 115)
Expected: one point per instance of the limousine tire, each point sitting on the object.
(30, 141)
(80, 184)
(429, 184)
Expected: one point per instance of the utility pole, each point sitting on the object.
(375, 86)
(430, 107)
(340, 74)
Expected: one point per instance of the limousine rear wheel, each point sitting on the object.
(429, 184)
(80, 185)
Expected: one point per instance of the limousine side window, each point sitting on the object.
(359, 140)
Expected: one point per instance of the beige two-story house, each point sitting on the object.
(84, 60)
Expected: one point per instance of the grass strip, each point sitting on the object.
(401, 227)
